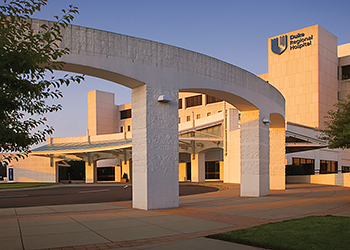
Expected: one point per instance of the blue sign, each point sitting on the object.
(278, 47)
(299, 41)
(10, 174)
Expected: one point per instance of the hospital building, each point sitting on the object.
(307, 66)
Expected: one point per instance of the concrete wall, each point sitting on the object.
(328, 72)
(102, 113)
(34, 169)
(341, 179)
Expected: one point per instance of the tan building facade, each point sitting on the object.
(312, 72)
(306, 72)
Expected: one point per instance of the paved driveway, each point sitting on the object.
(79, 194)
(115, 225)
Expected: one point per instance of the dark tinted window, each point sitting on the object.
(193, 101)
(125, 114)
(345, 72)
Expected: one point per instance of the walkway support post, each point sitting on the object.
(255, 149)
(198, 167)
(155, 154)
(277, 159)
(232, 158)
(90, 172)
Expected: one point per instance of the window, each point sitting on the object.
(345, 71)
(209, 114)
(345, 169)
(125, 114)
(121, 129)
(129, 128)
(219, 111)
(302, 161)
(307, 167)
(193, 101)
(328, 167)
(179, 119)
(212, 99)
(188, 118)
(180, 103)
(198, 116)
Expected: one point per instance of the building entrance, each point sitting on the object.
(212, 170)
(106, 174)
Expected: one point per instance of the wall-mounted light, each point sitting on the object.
(266, 120)
(164, 99)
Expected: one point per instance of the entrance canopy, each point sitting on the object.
(302, 138)
(87, 148)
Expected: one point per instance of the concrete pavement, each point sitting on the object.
(116, 225)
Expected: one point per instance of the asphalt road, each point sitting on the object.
(78, 194)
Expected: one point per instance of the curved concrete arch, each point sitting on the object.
(152, 69)
(277, 120)
(131, 61)
(103, 74)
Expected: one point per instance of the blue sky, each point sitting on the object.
(230, 30)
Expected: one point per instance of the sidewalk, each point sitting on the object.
(117, 226)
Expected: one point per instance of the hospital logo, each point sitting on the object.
(279, 47)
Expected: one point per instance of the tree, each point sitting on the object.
(26, 56)
(337, 125)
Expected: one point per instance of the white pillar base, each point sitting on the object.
(255, 149)
(155, 154)
(277, 159)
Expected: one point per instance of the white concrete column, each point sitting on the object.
(254, 154)
(232, 156)
(155, 151)
(198, 167)
(277, 159)
(339, 159)
(317, 161)
(90, 172)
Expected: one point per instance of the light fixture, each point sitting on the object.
(164, 99)
(266, 120)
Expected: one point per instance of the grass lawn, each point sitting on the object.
(313, 232)
(24, 184)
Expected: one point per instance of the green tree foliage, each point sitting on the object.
(26, 55)
(337, 125)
